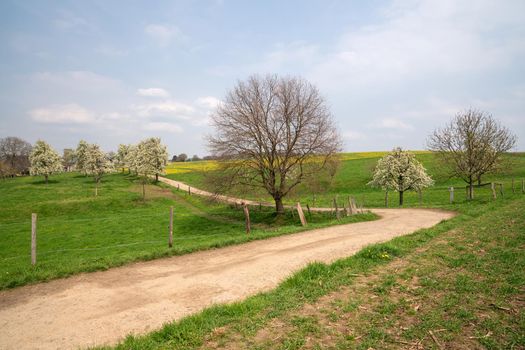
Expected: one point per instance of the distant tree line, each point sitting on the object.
(183, 157)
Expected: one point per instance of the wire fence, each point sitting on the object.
(233, 213)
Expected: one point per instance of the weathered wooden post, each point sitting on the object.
(33, 238)
(354, 206)
(189, 190)
(313, 203)
(178, 187)
(246, 217)
(451, 190)
(170, 239)
(501, 189)
(337, 214)
(301, 214)
(309, 213)
(493, 189)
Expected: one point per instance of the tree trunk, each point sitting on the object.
(401, 198)
(156, 177)
(46, 177)
(279, 207)
(471, 191)
(96, 188)
(143, 189)
(479, 180)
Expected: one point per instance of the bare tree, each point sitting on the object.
(15, 153)
(472, 145)
(273, 133)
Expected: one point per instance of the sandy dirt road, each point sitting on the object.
(103, 307)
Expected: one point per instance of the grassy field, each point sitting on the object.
(356, 171)
(78, 232)
(460, 285)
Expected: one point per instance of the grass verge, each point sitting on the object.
(459, 284)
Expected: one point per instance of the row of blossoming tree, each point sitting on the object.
(146, 159)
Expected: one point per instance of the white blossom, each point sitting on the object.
(122, 156)
(400, 171)
(80, 153)
(96, 164)
(44, 160)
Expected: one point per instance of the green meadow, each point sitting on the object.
(78, 232)
(355, 172)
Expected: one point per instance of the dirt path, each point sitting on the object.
(184, 187)
(103, 307)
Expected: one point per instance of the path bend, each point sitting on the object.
(103, 307)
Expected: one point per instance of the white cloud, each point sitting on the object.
(170, 108)
(208, 102)
(164, 34)
(163, 126)
(392, 123)
(77, 79)
(425, 39)
(153, 92)
(62, 114)
(353, 135)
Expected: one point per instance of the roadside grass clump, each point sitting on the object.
(367, 300)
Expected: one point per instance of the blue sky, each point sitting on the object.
(115, 72)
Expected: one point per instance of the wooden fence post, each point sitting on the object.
(170, 239)
(337, 214)
(354, 206)
(189, 190)
(313, 203)
(247, 217)
(178, 187)
(501, 189)
(301, 214)
(451, 189)
(350, 209)
(309, 213)
(33, 238)
(493, 189)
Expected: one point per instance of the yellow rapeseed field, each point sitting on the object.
(188, 167)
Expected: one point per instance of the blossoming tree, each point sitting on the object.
(44, 160)
(96, 164)
(150, 158)
(400, 171)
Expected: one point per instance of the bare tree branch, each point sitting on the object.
(273, 133)
(472, 145)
